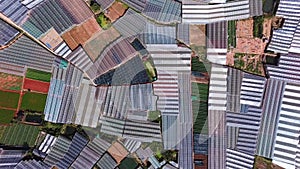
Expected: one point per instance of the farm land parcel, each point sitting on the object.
(34, 102)
(9, 99)
(38, 75)
(6, 116)
(19, 135)
(36, 86)
(10, 82)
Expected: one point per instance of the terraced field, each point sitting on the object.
(19, 135)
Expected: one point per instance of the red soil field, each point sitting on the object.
(37, 86)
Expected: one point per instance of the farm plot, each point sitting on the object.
(199, 105)
(37, 86)
(34, 102)
(6, 116)
(38, 75)
(9, 99)
(19, 135)
(232, 34)
(10, 82)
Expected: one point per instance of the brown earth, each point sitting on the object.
(82, 33)
(115, 11)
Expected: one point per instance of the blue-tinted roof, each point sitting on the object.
(105, 3)
(27, 52)
(47, 15)
(131, 72)
(13, 9)
(7, 33)
(165, 11)
(157, 34)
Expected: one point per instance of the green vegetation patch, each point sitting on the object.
(200, 107)
(20, 135)
(2, 130)
(94, 6)
(200, 51)
(153, 115)
(252, 65)
(52, 128)
(258, 26)
(34, 102)
(128, 162)
(231, 34)
(38, 75)
(200, 113)
(200, 91)
(156, 147)
(103, 21)
(10, 82)
(199, 66)
(6, 116)
(151, 71)
(168, 155)
(261, 162)
(9, 99)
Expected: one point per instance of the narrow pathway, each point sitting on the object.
(21, 96)
(5, 108)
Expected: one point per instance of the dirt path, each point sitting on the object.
(12, 91)
(5, 108)
(21, 97)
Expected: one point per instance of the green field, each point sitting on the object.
(232, 34)
(151, 71)
(103, 21)
(128, 162)
(19, 135)
(258, 26)
(153, 115)
(200, 91)
(200, 117)
(34, 102)
(6, 116)
(199, 66)
(38, 75)
(200, 107)
(9, 99)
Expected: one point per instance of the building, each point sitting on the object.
(88, 104)
(58, 14)
(208, 13)
(64, 85)
(217, 42)
(8, 33)
(26, 52)
(142, 131)
(91, 153)
(10, 158)
(173, 68)
(287, 136)
(218, 88)
(14, 10)
(252, 90)
(282, 37)
(270, 117)
(45, 146)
